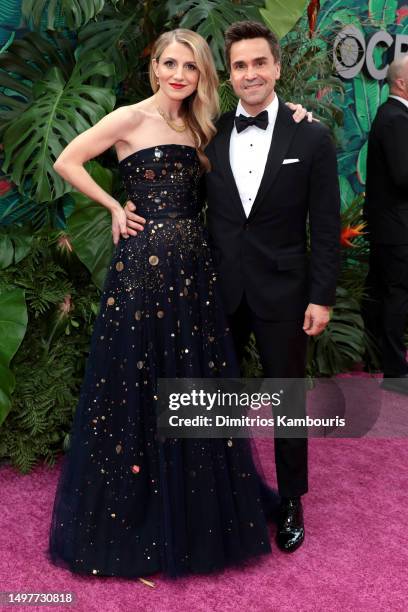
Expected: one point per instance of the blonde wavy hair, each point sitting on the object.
(202, 107)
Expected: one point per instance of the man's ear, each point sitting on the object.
(278, 71)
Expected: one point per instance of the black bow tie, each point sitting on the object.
(261, 121)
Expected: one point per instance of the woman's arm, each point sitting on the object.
(90, 144)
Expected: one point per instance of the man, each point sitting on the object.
(386, 213)
(267, 175)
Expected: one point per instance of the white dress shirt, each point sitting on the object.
(400, 99)
(248, 153)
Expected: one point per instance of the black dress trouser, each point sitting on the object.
(282, 347)
(385, 310)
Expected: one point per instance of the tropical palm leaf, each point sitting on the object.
(382, 12)
(362, 163)
(210, 18)
(60, 102)
(119, 36)
(346, 192)
(367, 99)
(228, 99)
(280, 16)
(307, 76)
(75, 14)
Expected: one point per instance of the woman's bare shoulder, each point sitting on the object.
(129, 116)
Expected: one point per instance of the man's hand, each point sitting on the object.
(300, 112)
(316, 319)
(134, 223)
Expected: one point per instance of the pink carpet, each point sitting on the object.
(354, 556)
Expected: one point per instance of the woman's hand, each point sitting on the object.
(300, 112)
(118, 224)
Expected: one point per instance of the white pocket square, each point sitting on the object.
(290, 161)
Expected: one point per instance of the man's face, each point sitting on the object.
(254, 71)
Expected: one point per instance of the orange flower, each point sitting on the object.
(348, 233)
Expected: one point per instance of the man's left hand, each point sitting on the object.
(316, 319)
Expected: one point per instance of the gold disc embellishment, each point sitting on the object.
(153, 260)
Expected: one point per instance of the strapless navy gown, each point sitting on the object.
(128, 504)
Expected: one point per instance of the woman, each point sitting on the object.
(128, 504)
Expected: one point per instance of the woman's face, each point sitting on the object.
(177, 71)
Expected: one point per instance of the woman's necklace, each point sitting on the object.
(176, 128)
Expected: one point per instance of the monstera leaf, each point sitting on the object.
(13, 325)
(117, 34)
(342, 342)
(62, 102)
(26, 61)
(90, 227)
(7, 385)
(15, 244)
(210, 18)
(75, 14)
(281, 15)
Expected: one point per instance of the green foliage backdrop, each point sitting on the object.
(63, 66)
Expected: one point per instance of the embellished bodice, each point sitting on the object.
(163, 181)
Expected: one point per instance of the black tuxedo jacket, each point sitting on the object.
(265, 255)
(386, 203)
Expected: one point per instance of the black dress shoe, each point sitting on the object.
(398, 384)
(291, 530)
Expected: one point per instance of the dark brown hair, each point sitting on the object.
(241, 30)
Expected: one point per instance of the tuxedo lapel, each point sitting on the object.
(222, 143)
(284, 130)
